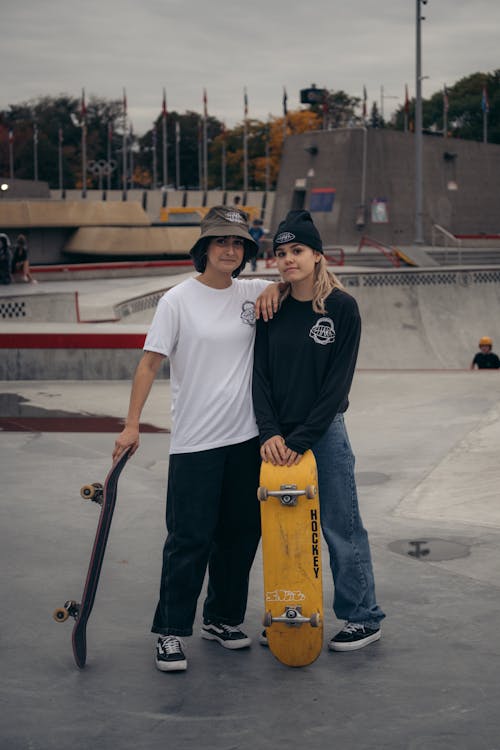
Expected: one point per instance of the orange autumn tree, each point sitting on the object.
(298, 121)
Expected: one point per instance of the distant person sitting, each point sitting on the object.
(5, 259)
(20, 262)
(485, 359)
(237, 201)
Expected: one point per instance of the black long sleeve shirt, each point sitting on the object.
(303, 368)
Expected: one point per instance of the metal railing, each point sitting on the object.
(387, 250)
(448, 237)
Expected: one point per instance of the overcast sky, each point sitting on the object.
(51, 47)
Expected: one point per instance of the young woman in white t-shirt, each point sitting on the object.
(206, 327)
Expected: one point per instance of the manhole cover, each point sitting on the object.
(434, 550)
(366, 478)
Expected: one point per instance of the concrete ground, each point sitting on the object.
(428, 478)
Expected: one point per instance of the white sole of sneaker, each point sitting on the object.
(356, 645)
(172, 666)
(232, 645)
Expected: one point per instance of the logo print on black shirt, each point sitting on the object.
(323, 331)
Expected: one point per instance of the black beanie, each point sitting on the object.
(298, 226)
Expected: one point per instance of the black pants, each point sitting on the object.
(213, 518)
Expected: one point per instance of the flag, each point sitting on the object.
(285, 102)
(446, 104)
(365, 97)
(205, 105)
(485, 106)
(83, 109)
(407, 101)
(245, 102)
(164, 104)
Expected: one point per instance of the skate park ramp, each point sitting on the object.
(432, 319)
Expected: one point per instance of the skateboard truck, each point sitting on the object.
(288, 494)
(293, 616)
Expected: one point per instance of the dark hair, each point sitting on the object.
(199, 255)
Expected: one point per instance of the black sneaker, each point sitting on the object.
(353, 636)
(169, 654)
(263, 638)
(228, 636)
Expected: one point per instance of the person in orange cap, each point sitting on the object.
(485, 359)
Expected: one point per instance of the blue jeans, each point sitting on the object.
(347, 539)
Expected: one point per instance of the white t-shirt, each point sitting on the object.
(208, 335)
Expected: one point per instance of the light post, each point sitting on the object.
(419, 238)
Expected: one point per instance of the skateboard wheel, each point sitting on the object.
(262, 494)
(311, 491)
(60, 614)
(315, 620)
(267, 620)
(91, 491)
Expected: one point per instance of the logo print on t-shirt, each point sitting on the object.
(323, 331)
(248, 313)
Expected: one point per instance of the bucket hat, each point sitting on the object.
(225, 221)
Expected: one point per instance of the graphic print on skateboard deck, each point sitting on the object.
(104, 495)
(291, 551)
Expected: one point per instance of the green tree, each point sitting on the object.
(465, 115)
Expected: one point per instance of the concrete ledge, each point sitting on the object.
(71, 352)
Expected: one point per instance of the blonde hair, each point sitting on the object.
(324, 283)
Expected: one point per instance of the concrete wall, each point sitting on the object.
(20, 308)
(71, 364)
(153, 200)
(336, 159)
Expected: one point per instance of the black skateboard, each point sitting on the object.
(105, 496)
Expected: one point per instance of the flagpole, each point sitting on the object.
(266, 156)
(11, 153)
(485, 107)
(124, 148)
(205, 141)
(59, 159)
(164, 138)
(200, 160)
(108, 155)
(445, 112)
(285, 113)
(131, 158)
(177, 155)
(407, 109)
(35, 151)
(223, 157)
(84, 145)
(245, 142)
(155, 162)
(419, 240)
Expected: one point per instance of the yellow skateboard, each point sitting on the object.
(291, 551)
